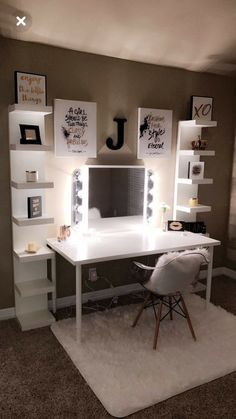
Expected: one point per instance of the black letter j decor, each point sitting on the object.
(120, 135)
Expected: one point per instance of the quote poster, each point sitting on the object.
(154, 133)
(75, 128)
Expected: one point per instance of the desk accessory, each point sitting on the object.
(32, 247)
(32, 175)
(64, 232)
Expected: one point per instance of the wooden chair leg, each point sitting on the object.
(170, 305)
(187, 317)
(141, 310)
(158, 320)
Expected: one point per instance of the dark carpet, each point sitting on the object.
(38, 379)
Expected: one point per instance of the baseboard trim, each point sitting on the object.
(7, 313)
(229, 272)
(215, 272)
(98, 295)
(63, 302)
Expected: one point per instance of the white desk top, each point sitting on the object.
(90, 249)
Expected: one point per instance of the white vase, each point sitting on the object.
(163, 222)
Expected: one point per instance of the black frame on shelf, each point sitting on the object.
(35, 128)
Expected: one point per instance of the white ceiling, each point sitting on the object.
(197, 35)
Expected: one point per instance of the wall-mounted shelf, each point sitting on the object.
(23, 221)
(27, 109)
(196, 152)
(187, 188)
(35, 319)
(43, 253)
(32, 185)
(201, 123)
(31, 282)
(35, 287)
(193, 210)
(186, 181)
(30, 147)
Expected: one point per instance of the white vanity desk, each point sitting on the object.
(79, 250)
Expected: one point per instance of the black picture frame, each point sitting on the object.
(201, 107)
(31, 97)
(30, 134)
(34, 204)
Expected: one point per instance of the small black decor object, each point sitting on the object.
(120, 135)
(34, 206)
(195, 227)
(30, 134)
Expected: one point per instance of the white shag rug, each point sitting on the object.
(127, 375)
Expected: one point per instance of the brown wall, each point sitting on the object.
(119, 87)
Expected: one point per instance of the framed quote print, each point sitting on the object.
(30, 89)
(201, 107)
(154, 133)
(75, 128)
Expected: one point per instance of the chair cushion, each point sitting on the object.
(176, 270)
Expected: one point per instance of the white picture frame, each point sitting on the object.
(196, 170)
(201, 107)
(154, 133)
(75, 128)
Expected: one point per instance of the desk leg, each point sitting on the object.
(78, 303)
(209, 276)
(53, 274)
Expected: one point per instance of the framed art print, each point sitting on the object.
(75, 128)
(201, 107)
(30, 89)
(195, 170)
(154, 133)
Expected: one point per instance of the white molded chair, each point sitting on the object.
(171, 276)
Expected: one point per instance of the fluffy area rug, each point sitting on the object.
(127, 375)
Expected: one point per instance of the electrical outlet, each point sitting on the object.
(93, 274)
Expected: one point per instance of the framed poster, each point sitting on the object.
(30, 89)
(201, 107)
(154, 133)
(75, 128)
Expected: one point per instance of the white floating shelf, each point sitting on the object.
(202, 123)
(23, 221)
(186, 181)
(197, 153)
(43, 253)
(29, 109)
(34, 287)
(35, 319)
(32, 185)
(192, 210)
(31, 147)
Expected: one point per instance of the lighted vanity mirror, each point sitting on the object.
(116, 191)
(113, 197)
